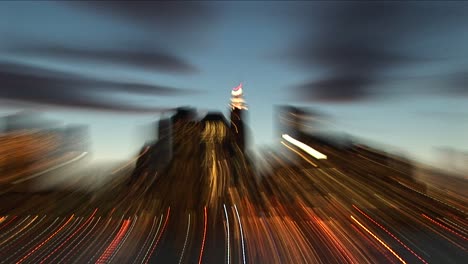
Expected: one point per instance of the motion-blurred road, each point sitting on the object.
(219, 208)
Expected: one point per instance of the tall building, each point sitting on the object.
(165, 139)
(215, 129)
(296, 121)
(238, 107)
(185, 130)
(216, 152)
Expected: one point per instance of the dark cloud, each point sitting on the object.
(451, 83)
(458, 83)
(365, 40)
(42, 86)
(335, 89)
(351, 58)
(150, 60)
(170, 15)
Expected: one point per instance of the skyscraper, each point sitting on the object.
(165, 140)
(185, 130)
(238, 107)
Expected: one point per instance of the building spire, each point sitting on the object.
(237, 98)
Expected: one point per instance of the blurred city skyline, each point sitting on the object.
(394, 73)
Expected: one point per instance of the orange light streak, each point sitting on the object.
(45, 241)
(378, 239)
(19, 231)
(204, 237)
(388, 232)
(7, 223)
(115, 242)
(69, 237)
(160, 235)
(444, 227)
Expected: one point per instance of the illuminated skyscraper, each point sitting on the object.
(238, 106)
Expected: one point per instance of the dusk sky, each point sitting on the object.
(394, 73)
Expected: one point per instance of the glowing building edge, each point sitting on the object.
(314, 153)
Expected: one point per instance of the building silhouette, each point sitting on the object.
(238, 108)
(184, 138)
(165, 140)
(290, 120)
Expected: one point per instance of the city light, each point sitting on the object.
(198, 187)
(314, 153)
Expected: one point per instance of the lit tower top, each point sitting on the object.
(237, 98)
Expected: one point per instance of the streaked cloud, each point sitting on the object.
(25, 83)
(168, 15)
(162, 61)
(358, 44)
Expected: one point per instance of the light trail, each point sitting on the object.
(57, 240)
(127, 234)
(314, 153)
(204, 237)
(101, 246)
(445, 237)
(242, 235)
(379, 240)
(80, 241)
(152, 241)
(115, 242)
(146, 240)
(82, 155)
(186, 239)
(30, 242)
(71, 236)
(160, 235)
(433, 198)
(45, 241)
(227, 226)
(388, 232)
(130, 162)
(444, 227)
(13, 228)
(300, 154)
(19, 231)
(7, 223)
(459, 228)
(373, 243)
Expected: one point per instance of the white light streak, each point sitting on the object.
(186, 239)
(152, 242)
(227, 224)
(82, 155)
(242, 234)
(314, 153)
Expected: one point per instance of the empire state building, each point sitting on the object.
(238, 107)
